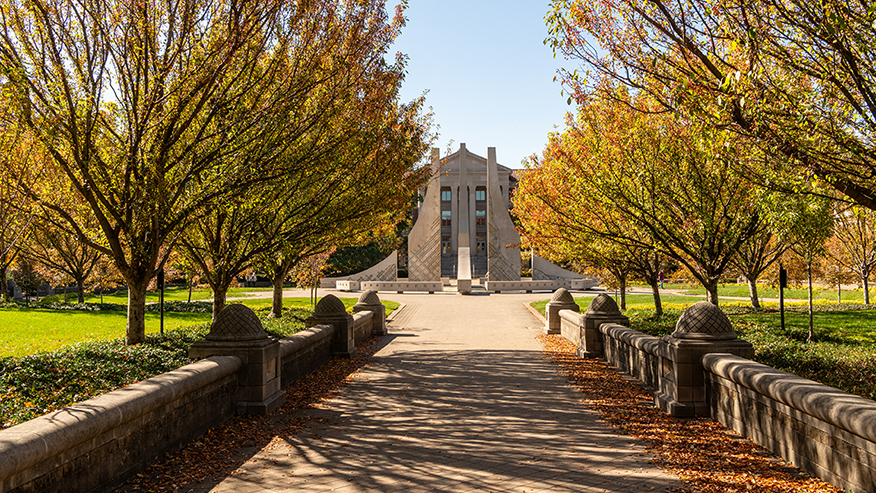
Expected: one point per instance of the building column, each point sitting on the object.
(472, 221)
(454, 218)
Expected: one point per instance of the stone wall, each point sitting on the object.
(824, 431)
(98, 444)
(303, 352)
(632, 352)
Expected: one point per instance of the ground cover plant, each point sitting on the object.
(34, 384)
(707, 456)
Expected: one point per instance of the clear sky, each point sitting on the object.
(489, 76)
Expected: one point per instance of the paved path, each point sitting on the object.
(457, 400)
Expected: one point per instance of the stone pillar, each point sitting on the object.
(370, 302)
(331, 311)
(424, 240)
(503, 261)
(603, 309)
(237, 331)
(702, 329)
(472, 220)
(561, 300)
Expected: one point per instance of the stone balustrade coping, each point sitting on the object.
(849, 412)
(632, 337)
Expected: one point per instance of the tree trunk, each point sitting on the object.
(623, 291)
(277, 303)
(839, 292)
(752, 292)
(811, 336)
(191, 282)
(136, 330)
(219, 295)
(866, 280)
(658, 304)
(712, 292)
(4, 286)
(80, 292)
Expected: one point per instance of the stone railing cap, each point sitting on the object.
(236, 323)
(603, 304)
(330, 305)
(703, 320)
(369, 298)
(563, 296)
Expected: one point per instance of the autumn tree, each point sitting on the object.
(61, 252)
(154, 114)
(794, 76)
(854, 243)
(651, 181)
(351, 170)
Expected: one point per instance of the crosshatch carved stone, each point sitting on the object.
(369, 301)
(702, 329)
(237, 331)
(561, 300)
(562, 295)
(236, 323)
(329, 305)
(603, 304)
(703, 320)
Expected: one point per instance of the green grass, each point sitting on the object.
(170, 294)
(26, 331)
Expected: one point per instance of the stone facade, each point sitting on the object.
(456, 215)
(424, 240)
(503, 260)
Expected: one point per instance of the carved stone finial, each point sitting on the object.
(703, 320)
(236, 323)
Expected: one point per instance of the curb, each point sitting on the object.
(533, 311)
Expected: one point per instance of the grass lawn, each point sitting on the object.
(170, 294)
(26, 331)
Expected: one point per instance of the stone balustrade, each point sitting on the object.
(704, 369)
(822, 430)
(403, 286)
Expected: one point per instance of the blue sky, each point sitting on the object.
(489, 76)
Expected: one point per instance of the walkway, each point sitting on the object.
(459, 399)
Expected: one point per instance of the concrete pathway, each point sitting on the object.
(458, 399)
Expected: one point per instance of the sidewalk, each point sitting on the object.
(458, 399)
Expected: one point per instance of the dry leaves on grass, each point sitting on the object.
(223, 449)
(707, 456)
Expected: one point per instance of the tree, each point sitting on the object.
(154, 114)
(811, 235)
(63, 253)
(17, 214)
(793, 75)
(854, 243)
(307, 273)
(648, 181)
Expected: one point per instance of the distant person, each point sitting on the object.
(251, 279)
(661, 277)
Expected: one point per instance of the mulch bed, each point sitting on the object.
(223, 449)
(702, 452)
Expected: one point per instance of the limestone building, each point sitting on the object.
(462, 192)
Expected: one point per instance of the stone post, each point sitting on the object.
(237, 331)
(561, 300)
(369, 301)
(702, 329)
(603, 309)
(331, 311)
